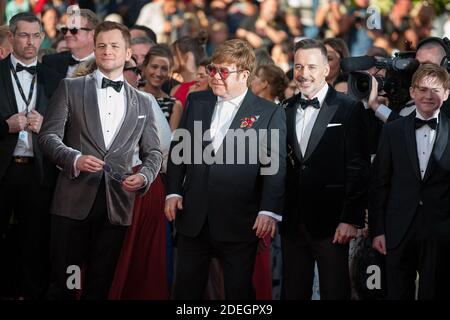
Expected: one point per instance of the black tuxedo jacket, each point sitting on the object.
(397, 188)
(59, 62)
(328, 185)
(46, 85)
(228, 196)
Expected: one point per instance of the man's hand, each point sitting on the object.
(89, 164)
(372, 101)
(17, 122)
(172, 205)
(344, 233)
(264, 225)
(34, 121)
(133, 182)
(379, 244)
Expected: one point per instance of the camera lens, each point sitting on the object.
(363, 85)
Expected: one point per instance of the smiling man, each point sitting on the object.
(409, 215)
(326, 180)
(224, 208)
(93, 127)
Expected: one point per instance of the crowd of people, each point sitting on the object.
(93, 123)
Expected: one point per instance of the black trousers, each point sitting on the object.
(193, 260)
(299, 256)
(419, 252)
(93, 245)
(21, 194)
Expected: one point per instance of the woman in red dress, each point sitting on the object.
(141, 271)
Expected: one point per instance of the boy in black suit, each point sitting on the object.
(409, 216)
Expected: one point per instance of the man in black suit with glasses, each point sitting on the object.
(80, 41)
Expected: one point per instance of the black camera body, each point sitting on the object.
(395, 85)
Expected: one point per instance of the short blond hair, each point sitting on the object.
(235, 51)
(433, 71)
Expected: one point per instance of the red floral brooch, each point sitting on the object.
(247, 122)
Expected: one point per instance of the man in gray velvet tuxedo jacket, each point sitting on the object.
(94, 124)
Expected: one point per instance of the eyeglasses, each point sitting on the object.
(73, 31)
(136, 70)
(115, 175)
(224, 72)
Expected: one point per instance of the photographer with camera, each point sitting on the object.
(384, 81)
(430, 50)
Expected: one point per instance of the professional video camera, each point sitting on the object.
(395, 85)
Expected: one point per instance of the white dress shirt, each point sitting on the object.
(306, 118)
(71, 69)
(24, 145)
(111, 107)
(425, 137)
(223, 115)
(163, 130)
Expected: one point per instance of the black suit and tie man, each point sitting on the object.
(225, 206)
(26, 177)
(80, 41)
(327, 173)
(93, 127)
(409, 212)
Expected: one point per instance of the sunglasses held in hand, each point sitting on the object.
(115, 175)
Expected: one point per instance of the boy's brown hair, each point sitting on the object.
(433, 71)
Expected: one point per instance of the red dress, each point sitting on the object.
(182, 92)
(141, 272)
(262, 273)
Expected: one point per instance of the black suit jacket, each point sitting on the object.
(46, 85)
(397, 189)
(328, 184)
(228, 196)
(59, 62)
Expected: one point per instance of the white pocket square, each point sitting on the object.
(141, 117)
(334, 125)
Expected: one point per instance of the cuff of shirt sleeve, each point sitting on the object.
(271, 214)
(383, 113)
(145, 180)
(173, 195)
(76, 172)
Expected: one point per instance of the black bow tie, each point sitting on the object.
(432, 123)
(116, 85)
(73, 62)
(31, 70)
(304, 103)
